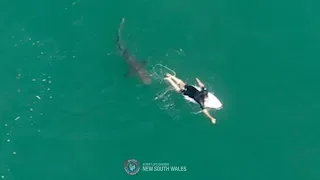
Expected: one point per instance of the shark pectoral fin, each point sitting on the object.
(142, 64)
(131, 72)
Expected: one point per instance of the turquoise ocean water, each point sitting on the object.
(68, 112)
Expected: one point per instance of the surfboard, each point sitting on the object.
(210, 102)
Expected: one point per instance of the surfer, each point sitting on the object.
(192, 92)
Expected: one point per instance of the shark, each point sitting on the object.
(136, 67)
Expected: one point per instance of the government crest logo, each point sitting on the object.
(132, 166)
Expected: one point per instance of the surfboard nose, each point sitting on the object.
(219, 108)
(218, 105)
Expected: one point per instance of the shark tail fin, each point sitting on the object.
(119, 39)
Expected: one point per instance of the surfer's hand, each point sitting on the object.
(168, 75)
(213, 120)
(200, 83)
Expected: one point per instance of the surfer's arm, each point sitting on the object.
(206, 112)
(200, 83)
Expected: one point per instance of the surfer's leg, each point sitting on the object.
(175, 86)
(213, 120)
(178, 81)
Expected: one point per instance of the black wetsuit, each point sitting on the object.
(193, 93)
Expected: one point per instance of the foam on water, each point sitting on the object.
(33, 88)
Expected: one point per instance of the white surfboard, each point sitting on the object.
(210, 102)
